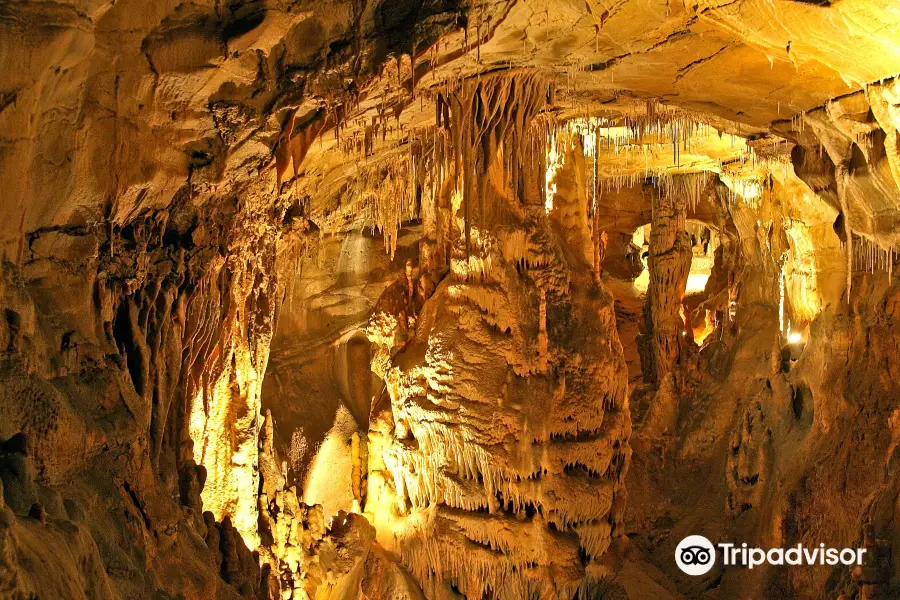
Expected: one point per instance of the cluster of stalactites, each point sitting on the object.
(689, 186)
(650, 124)
(870, 257)
(640, 134)
(477, 122)
(372, 134)
(390, 192)
(480, 116)
(750, 190)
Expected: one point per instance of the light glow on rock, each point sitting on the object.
(709, 325)
(696, 282)
(224, 426)
(554, 164)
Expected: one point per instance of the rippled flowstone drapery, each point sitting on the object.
(497, 464)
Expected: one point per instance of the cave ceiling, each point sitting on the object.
(217, 86)
(746, 70)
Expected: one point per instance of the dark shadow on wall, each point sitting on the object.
(319, 384)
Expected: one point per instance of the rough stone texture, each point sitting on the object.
(669, 263)
(144, 233)
(167, 170)
(499, 464)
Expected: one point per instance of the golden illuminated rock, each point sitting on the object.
(390, 299)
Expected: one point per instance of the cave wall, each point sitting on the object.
(144, 237)
(319, 385)
(790, 442)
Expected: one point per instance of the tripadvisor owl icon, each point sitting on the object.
(695, 555)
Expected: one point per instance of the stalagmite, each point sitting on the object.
(669, 264)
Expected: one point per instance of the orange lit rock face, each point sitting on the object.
(498, 465)
(445, 194)
(506, 462)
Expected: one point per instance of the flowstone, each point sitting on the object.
(497, 465)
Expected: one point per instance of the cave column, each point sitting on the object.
(669, 263)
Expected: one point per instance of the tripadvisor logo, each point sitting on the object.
(696, 555)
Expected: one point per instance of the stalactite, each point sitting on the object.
(842, 177)
(869, 256)
(295, 142)
(689, 187)
(484, 114)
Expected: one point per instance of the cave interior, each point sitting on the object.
(447, 299)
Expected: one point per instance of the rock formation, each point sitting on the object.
(447, 299)
(499, 462)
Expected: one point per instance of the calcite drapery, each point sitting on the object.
(497, 465)
(499, 468)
